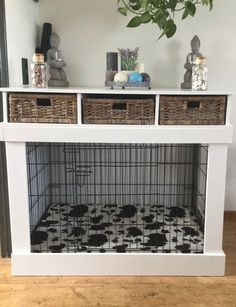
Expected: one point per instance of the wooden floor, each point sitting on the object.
(125, 291)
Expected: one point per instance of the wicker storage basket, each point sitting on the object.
(119, 111)
(43, 108)
(192, 110)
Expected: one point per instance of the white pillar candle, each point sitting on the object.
(140, 68)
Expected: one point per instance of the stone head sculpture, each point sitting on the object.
(195, 44)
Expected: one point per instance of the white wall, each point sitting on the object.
(90, 28)
(21, 24)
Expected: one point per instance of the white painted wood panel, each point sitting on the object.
(157, 107)
(122, 264)
(79, 109)
(18, 196)
(117, 133)
(5, 107)
(1, 132)
(215, 197)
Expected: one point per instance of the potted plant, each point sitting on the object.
(128, 58)
(160, 12)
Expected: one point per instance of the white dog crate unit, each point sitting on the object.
(116, 182)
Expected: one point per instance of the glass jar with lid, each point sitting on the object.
(199, 74)
(39, 71)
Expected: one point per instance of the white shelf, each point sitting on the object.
(20, 132)
(103, 90)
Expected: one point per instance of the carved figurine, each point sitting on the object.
(56, 63)
(195, 46)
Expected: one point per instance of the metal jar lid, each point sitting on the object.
(200, 60)
(38, 58)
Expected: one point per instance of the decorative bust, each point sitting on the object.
(56, 63)
(195, 46)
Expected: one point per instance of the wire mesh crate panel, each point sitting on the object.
(118, 173)
(118, 111)
(192, 110)
(200, 181)
(121, 197)
(38, 170)
(43, 108)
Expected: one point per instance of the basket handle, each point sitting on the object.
(193, 105)
(43, 102)
(119, 106)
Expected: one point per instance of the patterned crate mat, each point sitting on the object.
(68, 228)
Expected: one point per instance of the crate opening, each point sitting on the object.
(122, 198)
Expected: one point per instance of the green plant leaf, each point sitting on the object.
(157, 3)
(143, 3)
(190, 8)
(172, 4)
(161, 18)
(160, 12)
(185, 14)
(123, 10)
(134, 22)
(211, 5)
(146, 17)
(136, 6)
(207, 2)
(170, 28)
